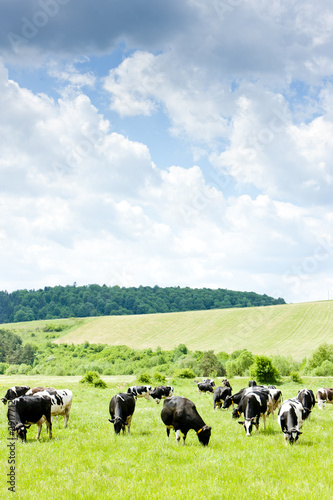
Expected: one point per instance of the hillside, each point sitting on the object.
(295, 329)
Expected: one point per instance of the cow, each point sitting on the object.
(35, 390)
(253, 405)
(306, 397)
(140, 391)
(161, 392)
(273, 399)
(324, 395)
(27, 410)
(61, 402)
(180, 414)
(226, 383)
(291, 417)
(15, 392)
(205, 387)
(121, 409)
(208, 381)
(252, 383)
(220, 394)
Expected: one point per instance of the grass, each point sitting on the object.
(87, 461)
(295, 329)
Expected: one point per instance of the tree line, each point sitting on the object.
(48, 358)
(73, 301)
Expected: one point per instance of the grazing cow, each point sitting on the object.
(291, 417)
(220, 394)
(236, 398)
(275, 401)
(61, 402)
(180, 414)
(15, 392)
(27, 410)
(161, 392)
(121, 409)
(205, 387)
(226, 383)
(306, 397)
(208, 381)
(140, 391)
(253, 406)
(324, 395)
(35, 390)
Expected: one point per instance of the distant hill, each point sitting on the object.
(95, 300)
(290, 329)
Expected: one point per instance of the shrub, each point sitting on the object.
(295, 377)
(324, 370)
(93, 378)
(159, 378)
(210, 365)
(184, 373)
(323, 353)
(3, 368)
(285, 364)
(144, 378)
(263, 370)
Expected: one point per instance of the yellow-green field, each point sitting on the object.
(295, 329)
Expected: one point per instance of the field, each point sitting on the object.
(295, 329)
(87, 461)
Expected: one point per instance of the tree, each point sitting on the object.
(263, 370)
(210, 365)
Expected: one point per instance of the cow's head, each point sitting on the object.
(118, 424)
(21, 430)
(248, 425)
(204, 434)
(236, 413)
(227, 402)
(292, 435)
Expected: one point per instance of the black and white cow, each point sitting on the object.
(161, 392)
(140, 391)
(306, 397)
(226, 383)
(61, 401)
(324, 395)
(291, 417)
(27, 410)
(220, 395)
(180, 414)
(15, 392)
(253, 405)
(121, 409)
(205, 387)
(208, 381)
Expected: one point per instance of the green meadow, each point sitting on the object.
(87, 461)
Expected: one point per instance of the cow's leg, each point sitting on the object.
(66, 417)
(39, 428)
(129, 421)
(178, 436)
(184, 437)
(264, 420)
(49, 427)
(168, 433)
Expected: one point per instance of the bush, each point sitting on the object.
(93, 378)
(263, 370)
(184, 373)
(3, 368)
(210, 365)
(144, 378)
(158, 378)
(323, 353)
(324, 370)
(285, 364)
(295, 377)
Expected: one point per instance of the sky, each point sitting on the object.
(169, 143)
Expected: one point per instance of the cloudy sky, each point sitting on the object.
(173, 142)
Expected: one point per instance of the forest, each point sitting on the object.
(74, 301)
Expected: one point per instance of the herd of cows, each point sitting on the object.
(40, 404)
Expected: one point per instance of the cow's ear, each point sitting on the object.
(242, 423)
(111, 420)
(27, 426)
(298, 432)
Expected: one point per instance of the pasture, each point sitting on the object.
(87, 461)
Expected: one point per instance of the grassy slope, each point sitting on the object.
(295, 329)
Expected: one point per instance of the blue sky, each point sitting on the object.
(173, 143)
